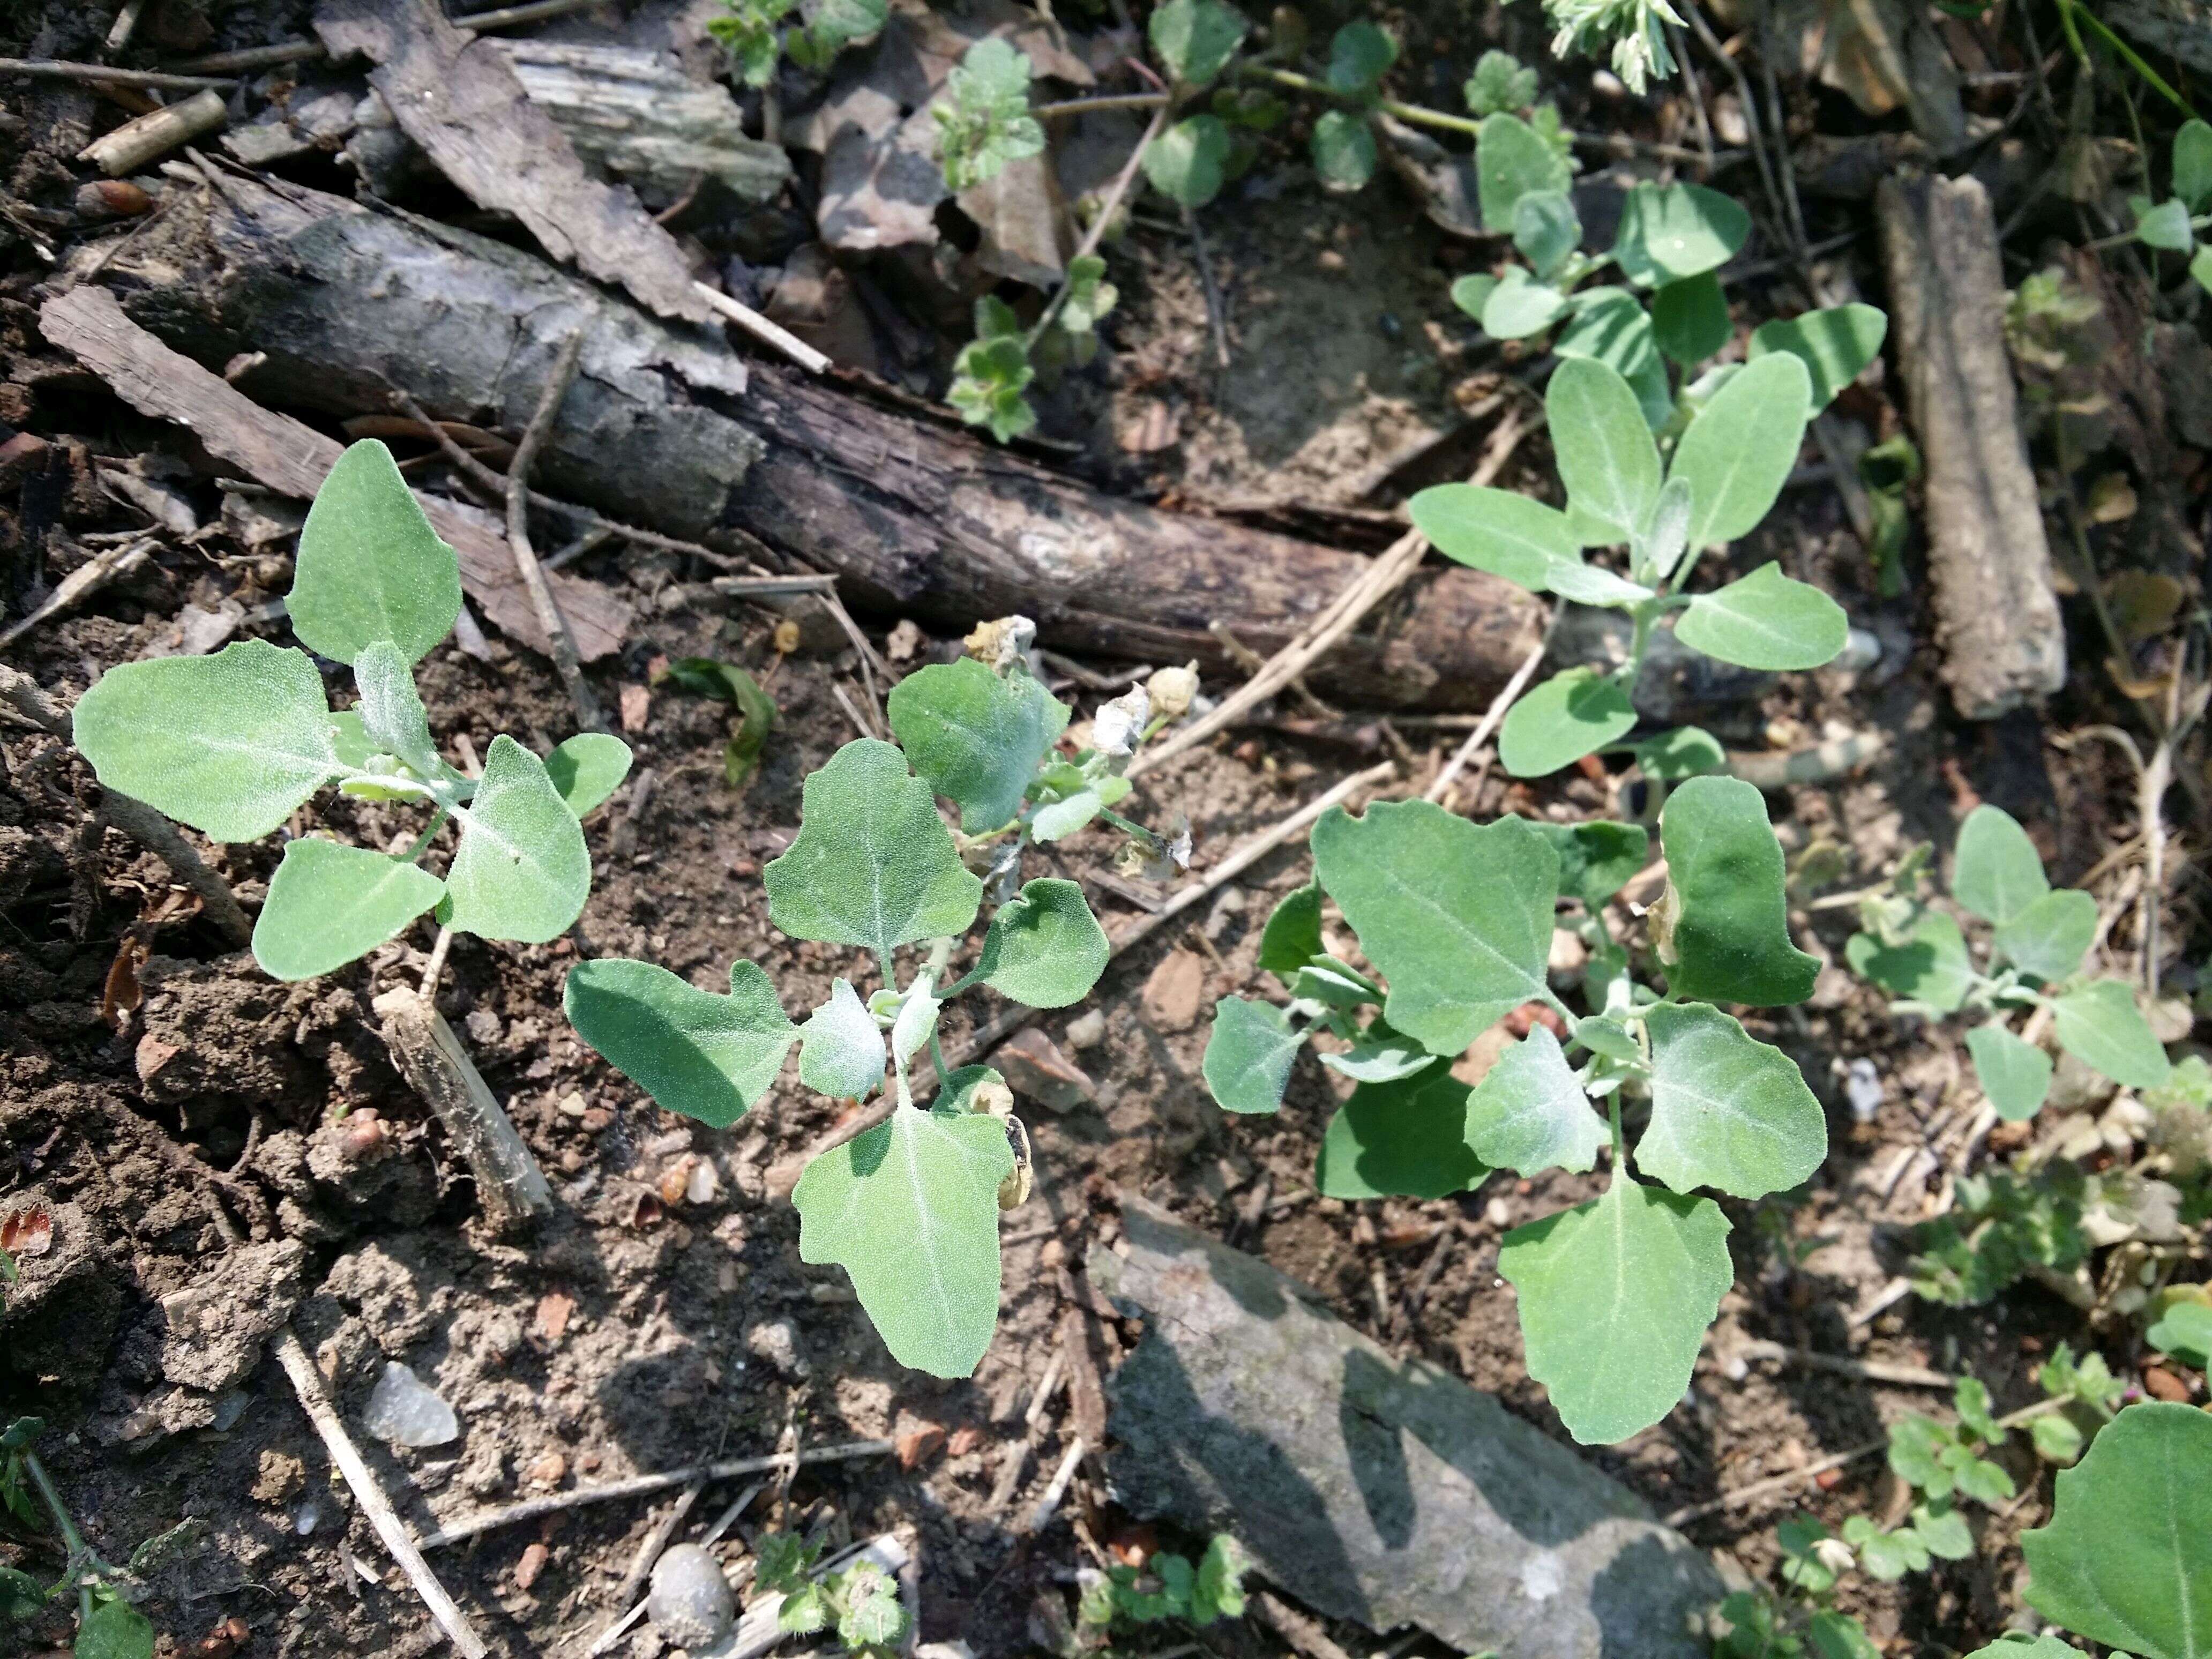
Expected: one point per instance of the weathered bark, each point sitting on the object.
(510, 1187)
(1998, 619)
(914, 516)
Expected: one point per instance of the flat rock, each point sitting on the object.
(1371, 1489)
(1035, 1070)
(216, 1325)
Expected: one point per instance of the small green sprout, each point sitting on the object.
(983, 119)
(2174, 225)
(909, 1208)
(235, 743)
(1499, 85)
(992, 375)
(108, 1626)
(859, 1602)
(1168, 1588)
(1457, 920)
(751, 31)
(2040, 936)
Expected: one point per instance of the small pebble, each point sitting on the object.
(402, 1412)
(690, 1603)
(1862, 1087)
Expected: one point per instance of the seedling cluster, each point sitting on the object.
(2177, 224)
(235, 743)
(1457, 920)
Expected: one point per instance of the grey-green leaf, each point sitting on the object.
(707, 1057)
(1401, 1140)
(1687, 751)
(1528, 1113)
(1690, 319)
(2192, 164)
(1766, 620)
(1520, 305)
(1045, 948)
(1596, 859)
(1381, 1055)
(1729, 911)
(390, 709)
(521, 871)
(1292, 935)
(1737, 453)
(1593, 584)
(329, 904)
(1359, 54)
(1344, 153)
(1834, 345)
(873, 864)
(2048, 937)
(1196, 39)
(1571, 715)
(1607, 457)
(1496, 530)
(1726, 1110)
(1612, 327)
(370, 568)
(230, 744)
(587, 767)
(114, 1630)
(1512, 160)
(1931, 966)
(910, 1211)
(1546, 229)
(1996, 873)
(841, 1046)
(1616, 1296)
(1249, 1056)
(2013, 1073)
(1457, 918)
(2127, 1558)
(2099, 1026)
(1189, 161)
(975, 737)
(1670, 232)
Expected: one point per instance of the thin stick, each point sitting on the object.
(1865, 1370)
(566, 661)
(300, 52)
(1048, 1505)
(644, 1486)
(650, 1547)
(1491, 717)
(767, 333)
(106, 566)
(1108, 207)
(708, 1539)
(1382, 577)
(437, 965)
(55, 69)
(127, 24)
(1216, 317)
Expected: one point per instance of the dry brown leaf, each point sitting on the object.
(27, 1230)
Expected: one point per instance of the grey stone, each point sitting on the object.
(1384, 1491)
(217, 1324)
(404, 1411)
(690, 1602)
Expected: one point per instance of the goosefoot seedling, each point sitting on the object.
(235, 743)
(859, 1602)
(1457, 921)
(909, 1208)
(2038, 937)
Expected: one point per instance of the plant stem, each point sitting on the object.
(1107, 208)
(423, 842)
(2068, 10)
(72, 1540)
(1413, 114)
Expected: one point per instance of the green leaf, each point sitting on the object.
(1687, 751)
(114, 1630)
(1839, 1636)
(1670, 232)
(1616, 1296)
(1690, 319)
(1528, 1113)
(230, 744)
(391, 710)
(2200, 267)
(350, 739)
(1519, 306)
(1597, 859)
(1998, 873)
(1500, 84)
(983, 118)
(975, 737)
(1887, 1556)
(2101, 1026)
(1726, 1110)
(21, 1596)
(1494, 529)
(1401, 1140)
(709, 677)
(370, 567)
(2185, 1331)
(2056, 1440)
(1834, 345)
(841, 1046)
(1292, 935)
(1196, 39)
(2127, 1558)
(1730, 934)
(874, 1617)
(1591, 584)
(2192, 164)
(1943, 1531)
(1045, 949)
(1344, 154)
(1982, 1480)
(804, 1611)
(1915, 1447)
(1737, 453)
(521, 871)
(1803, 1566)
(1380, 1055)
(1546, 229)
(2048, 937)
(1766, 620)
(1188, 162)
(1571, 715)
(2165, 226)
(1090, 297)
(330, 903)
(988, 379)
(1249, 1056)
(1456, 917)
(1472, 292)
(873, 866)
(705, 1056)
(1607, 459)
(1359, 55)
(1612, 327)
(1512, 160)
(1217, 1590)
(1970, 1396)
(910, 1211)
(1931, 966)
(586, 768)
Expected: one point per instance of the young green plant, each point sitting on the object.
(1725, 472)
(755, 35)
(1167, 1589)
(909, 1208)
(1457, 920)
(2033, 959)
(859, 1601)
(235, 743)
(2175, 224)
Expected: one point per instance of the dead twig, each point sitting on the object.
(106, 566)
(1217, 315)
(1865, 1370)
(613, 1633)
(566, 661)
(303, 51)
(1493, 715)
(56, 69)
(1048, 1505)
(1109, 206)
(767, 333)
